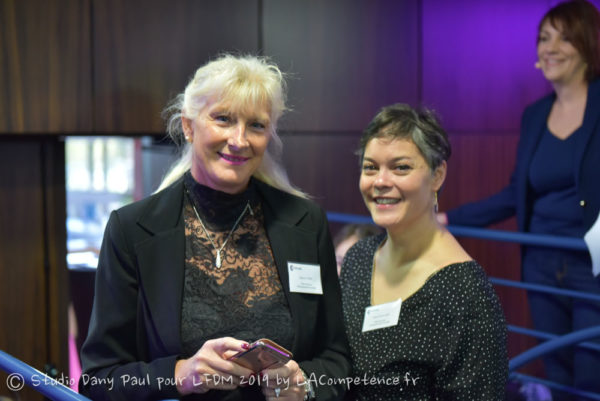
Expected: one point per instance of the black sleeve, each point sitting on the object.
(333, 359)
(112, 365)
(476, 363)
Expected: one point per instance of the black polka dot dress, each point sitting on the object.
(449, 343)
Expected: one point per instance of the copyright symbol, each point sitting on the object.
(15, 382)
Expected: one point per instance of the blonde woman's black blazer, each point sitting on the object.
(135, 323)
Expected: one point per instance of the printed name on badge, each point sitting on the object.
(305, 278)
(381, 316)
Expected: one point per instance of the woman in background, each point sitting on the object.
(191, 275)
(348, 236)
(554, 186)
(422, 319)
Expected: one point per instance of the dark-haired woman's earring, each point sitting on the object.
(435, 203)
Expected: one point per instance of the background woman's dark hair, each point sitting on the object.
(579, 21)
(403, 122)
(360, 230)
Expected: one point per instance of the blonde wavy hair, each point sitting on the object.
(243, 81)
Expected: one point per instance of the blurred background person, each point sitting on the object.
(189, 276)
(417, 307)
(554, 186)
(347, 236)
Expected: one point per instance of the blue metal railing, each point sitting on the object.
(549, 347)
(553, 344)
(547, 336)
(543, 288)
(484, 233)
(21, 374)
(577, 244)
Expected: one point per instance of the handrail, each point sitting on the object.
(547, 336)
(21, 373)
(349, 218)
(544, 288)
(554, 241)
(552, 345)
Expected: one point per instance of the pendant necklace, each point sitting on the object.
(219, 250)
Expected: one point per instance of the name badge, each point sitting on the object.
(305, 278)
(380, 316)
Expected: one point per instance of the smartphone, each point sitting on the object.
(262, 354)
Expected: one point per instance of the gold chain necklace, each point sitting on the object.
(219, 250)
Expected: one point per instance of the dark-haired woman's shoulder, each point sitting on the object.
(470, 277)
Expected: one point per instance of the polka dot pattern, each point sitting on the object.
(449, 343)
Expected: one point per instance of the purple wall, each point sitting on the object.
(478, 62)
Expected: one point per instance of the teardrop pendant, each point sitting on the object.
(218, 260)
(218, 257)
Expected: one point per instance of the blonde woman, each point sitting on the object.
(193, 274)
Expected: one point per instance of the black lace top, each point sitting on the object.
(244, 298)
(449, 343)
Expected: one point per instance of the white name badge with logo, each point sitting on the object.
(380, 316)
(305, 278)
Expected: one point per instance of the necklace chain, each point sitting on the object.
(219, 250)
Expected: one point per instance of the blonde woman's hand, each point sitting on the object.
(209, 368)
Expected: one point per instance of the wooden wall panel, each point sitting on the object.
(32, 254)
(347, 59)
(326, 168)
(480, 165)
(145, 51)
(45, 84)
